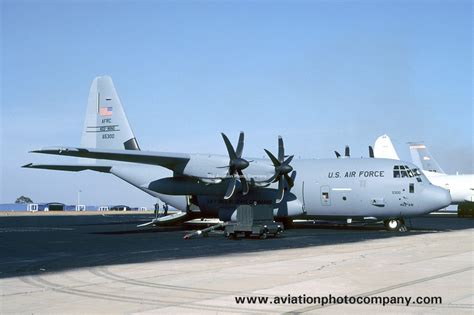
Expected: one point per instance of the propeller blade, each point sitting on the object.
(272, 179)
(371, 151)
(244, 183)
(281, 149)
(282, 169)
(281, 191)
(273, 158)
(347, 151)
(230, 188)
(230, 148)
(288, 160)
(338, 155)
(293, 176)
(289, 180)
(240, 145)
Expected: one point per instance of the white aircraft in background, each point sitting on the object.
(460, 186)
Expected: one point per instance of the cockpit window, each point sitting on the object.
(402, 171)
(396, 171)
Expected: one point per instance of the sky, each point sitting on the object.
(322, 74)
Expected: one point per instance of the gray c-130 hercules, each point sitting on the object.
(213, 186)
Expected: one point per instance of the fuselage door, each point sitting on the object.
(325, 196)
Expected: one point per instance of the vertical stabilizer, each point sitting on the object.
(383, 148)
(423, 159)
(106, 126)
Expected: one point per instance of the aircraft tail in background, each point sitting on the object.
(383, 148)
(106, 125)
(423, 159)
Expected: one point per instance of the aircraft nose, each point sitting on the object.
(439, 198)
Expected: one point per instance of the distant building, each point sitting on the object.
(121, 207)
(52, 206)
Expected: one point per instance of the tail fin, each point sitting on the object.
(106, 126)
(423, 159)
(383, 148)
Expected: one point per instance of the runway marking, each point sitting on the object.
(38, 281)
(104, 272)
(389, 288)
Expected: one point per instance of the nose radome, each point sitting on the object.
(441, 198)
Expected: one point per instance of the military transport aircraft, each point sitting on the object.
(208, 185)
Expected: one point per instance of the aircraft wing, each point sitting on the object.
(69, 167)
(173, 161)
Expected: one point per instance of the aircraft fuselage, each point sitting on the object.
(343, 188)
(461, 187)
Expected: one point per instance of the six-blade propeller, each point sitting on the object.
(282, 169)
(236, 165)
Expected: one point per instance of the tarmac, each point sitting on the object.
(101, 263)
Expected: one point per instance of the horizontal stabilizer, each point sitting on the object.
(69, 168)
(173, 161)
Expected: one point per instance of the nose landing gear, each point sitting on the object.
(394, 225)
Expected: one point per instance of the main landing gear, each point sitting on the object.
(394, 225)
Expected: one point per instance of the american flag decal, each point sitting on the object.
(105, 111)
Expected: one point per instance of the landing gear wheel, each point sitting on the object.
(393, 225)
